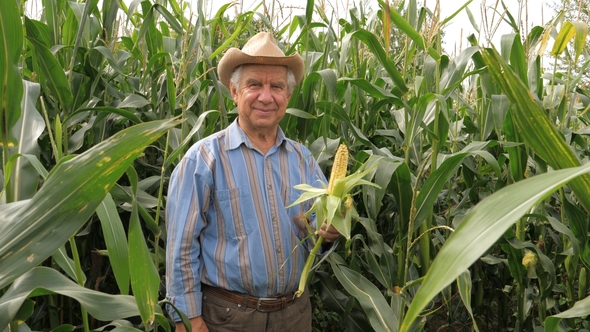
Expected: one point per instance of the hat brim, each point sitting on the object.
(235, 57)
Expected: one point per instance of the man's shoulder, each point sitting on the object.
(209, 144)
(295, 144)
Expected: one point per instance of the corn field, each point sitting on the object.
(479, 222)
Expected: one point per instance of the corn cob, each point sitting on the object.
(339, 166)
(338, 172)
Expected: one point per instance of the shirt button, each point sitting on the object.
(278, 250)
(269, 186)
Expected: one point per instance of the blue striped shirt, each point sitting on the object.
(227, 221)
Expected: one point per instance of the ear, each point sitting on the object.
(234, 92)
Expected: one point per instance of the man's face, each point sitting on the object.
(262, 97)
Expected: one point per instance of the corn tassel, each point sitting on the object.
(338, 172)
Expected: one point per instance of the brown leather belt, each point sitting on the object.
(263, 304)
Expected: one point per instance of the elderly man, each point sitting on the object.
(234, 257)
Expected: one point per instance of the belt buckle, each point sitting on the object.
(259, 302)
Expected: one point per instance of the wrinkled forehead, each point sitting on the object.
(264, 72)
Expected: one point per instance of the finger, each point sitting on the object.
(330, 229)
(329, 237)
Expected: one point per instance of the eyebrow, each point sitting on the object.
(279, 83)
(252, 81)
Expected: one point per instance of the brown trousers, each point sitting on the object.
(224, 316)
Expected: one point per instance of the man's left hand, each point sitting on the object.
(330, 234)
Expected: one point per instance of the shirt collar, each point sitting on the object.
(236, 137)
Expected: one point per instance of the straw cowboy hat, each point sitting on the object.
(260, 49)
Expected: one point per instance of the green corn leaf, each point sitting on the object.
(332, 205)
(145, 279)
(27, 130)
(404, 26)
(38, 30)
(369, 296)
(458, 11)
(116, 243)
(189, 138)
(401, 188)
(11, 88)
(67, 264)
(373, 195)
(432, 187)
(373, 90)
(109, 16)
(329, 78)
(58, 132)
(133, 101)
(174, 24)
(110, 58)
(373, 44)
(337, 301)
(309, 192)
(72, 192)
(44, 281)
(309, 11)
(106, 109)
(382, 250)
(415, 123)
(534, 126)
(300, 114)
(580, 309)
(482, 226)
(464, 285)
(453, 77)
(55, 76)
(376, 269)
(171, 88)
(242, 22)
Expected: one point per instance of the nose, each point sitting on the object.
(265, 95)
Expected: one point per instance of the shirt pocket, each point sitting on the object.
(236, 209)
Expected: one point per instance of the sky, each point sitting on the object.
(487, 13)
(489, 20)
(489, 16)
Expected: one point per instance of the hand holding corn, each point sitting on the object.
(334, 205)
(330, 234)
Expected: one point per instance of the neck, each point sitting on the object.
(263, 140)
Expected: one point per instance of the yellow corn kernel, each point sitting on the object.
(339, 167)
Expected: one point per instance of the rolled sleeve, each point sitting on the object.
(189, 303)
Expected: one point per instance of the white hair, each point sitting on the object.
(236, 76)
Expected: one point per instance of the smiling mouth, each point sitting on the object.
(264, 111)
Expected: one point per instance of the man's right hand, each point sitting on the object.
(197, 324)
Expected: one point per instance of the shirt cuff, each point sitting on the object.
(189, 303)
